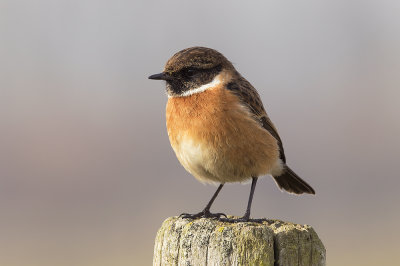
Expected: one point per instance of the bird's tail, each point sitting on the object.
(292, 183)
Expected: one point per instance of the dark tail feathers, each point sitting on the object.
(292, 183)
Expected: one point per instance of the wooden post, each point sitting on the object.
(211, 242)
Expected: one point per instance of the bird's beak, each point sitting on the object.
(161, 76)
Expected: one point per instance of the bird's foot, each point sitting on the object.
(202, 214)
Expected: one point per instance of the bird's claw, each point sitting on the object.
(190, 216)
(203, 214)
(218, 215)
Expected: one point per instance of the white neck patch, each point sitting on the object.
(215, 82)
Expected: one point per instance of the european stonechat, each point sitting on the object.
(218, 127)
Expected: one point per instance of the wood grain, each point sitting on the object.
(211, 242)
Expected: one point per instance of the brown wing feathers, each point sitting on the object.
(249, 97)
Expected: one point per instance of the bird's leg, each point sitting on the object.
(246, 216)
(206, 212)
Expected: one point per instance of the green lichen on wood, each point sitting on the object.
(211, 242)
(298, 245)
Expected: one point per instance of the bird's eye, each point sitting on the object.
(190, 72)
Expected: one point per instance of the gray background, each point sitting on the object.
(86, 171)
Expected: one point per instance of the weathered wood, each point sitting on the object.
(211, 242)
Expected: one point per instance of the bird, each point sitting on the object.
(219, 129)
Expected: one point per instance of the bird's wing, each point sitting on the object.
(249, 97)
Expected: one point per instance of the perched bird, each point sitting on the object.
(218, 127)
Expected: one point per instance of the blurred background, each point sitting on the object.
(87, 174)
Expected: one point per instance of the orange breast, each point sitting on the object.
(216, 139)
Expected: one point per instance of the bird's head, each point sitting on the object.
(193, 70)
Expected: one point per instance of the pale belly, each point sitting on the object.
(224, 159)
(197, 159)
